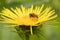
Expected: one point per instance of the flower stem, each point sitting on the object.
(31, 30)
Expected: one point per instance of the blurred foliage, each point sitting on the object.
(51, 28)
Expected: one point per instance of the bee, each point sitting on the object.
(33, 15)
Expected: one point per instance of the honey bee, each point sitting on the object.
(33, 15)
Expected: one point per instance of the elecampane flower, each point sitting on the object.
(28, 16)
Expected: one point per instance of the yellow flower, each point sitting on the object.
(28, 16)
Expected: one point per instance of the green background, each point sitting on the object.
(51, 28)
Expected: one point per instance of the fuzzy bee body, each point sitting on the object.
(33, 15)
